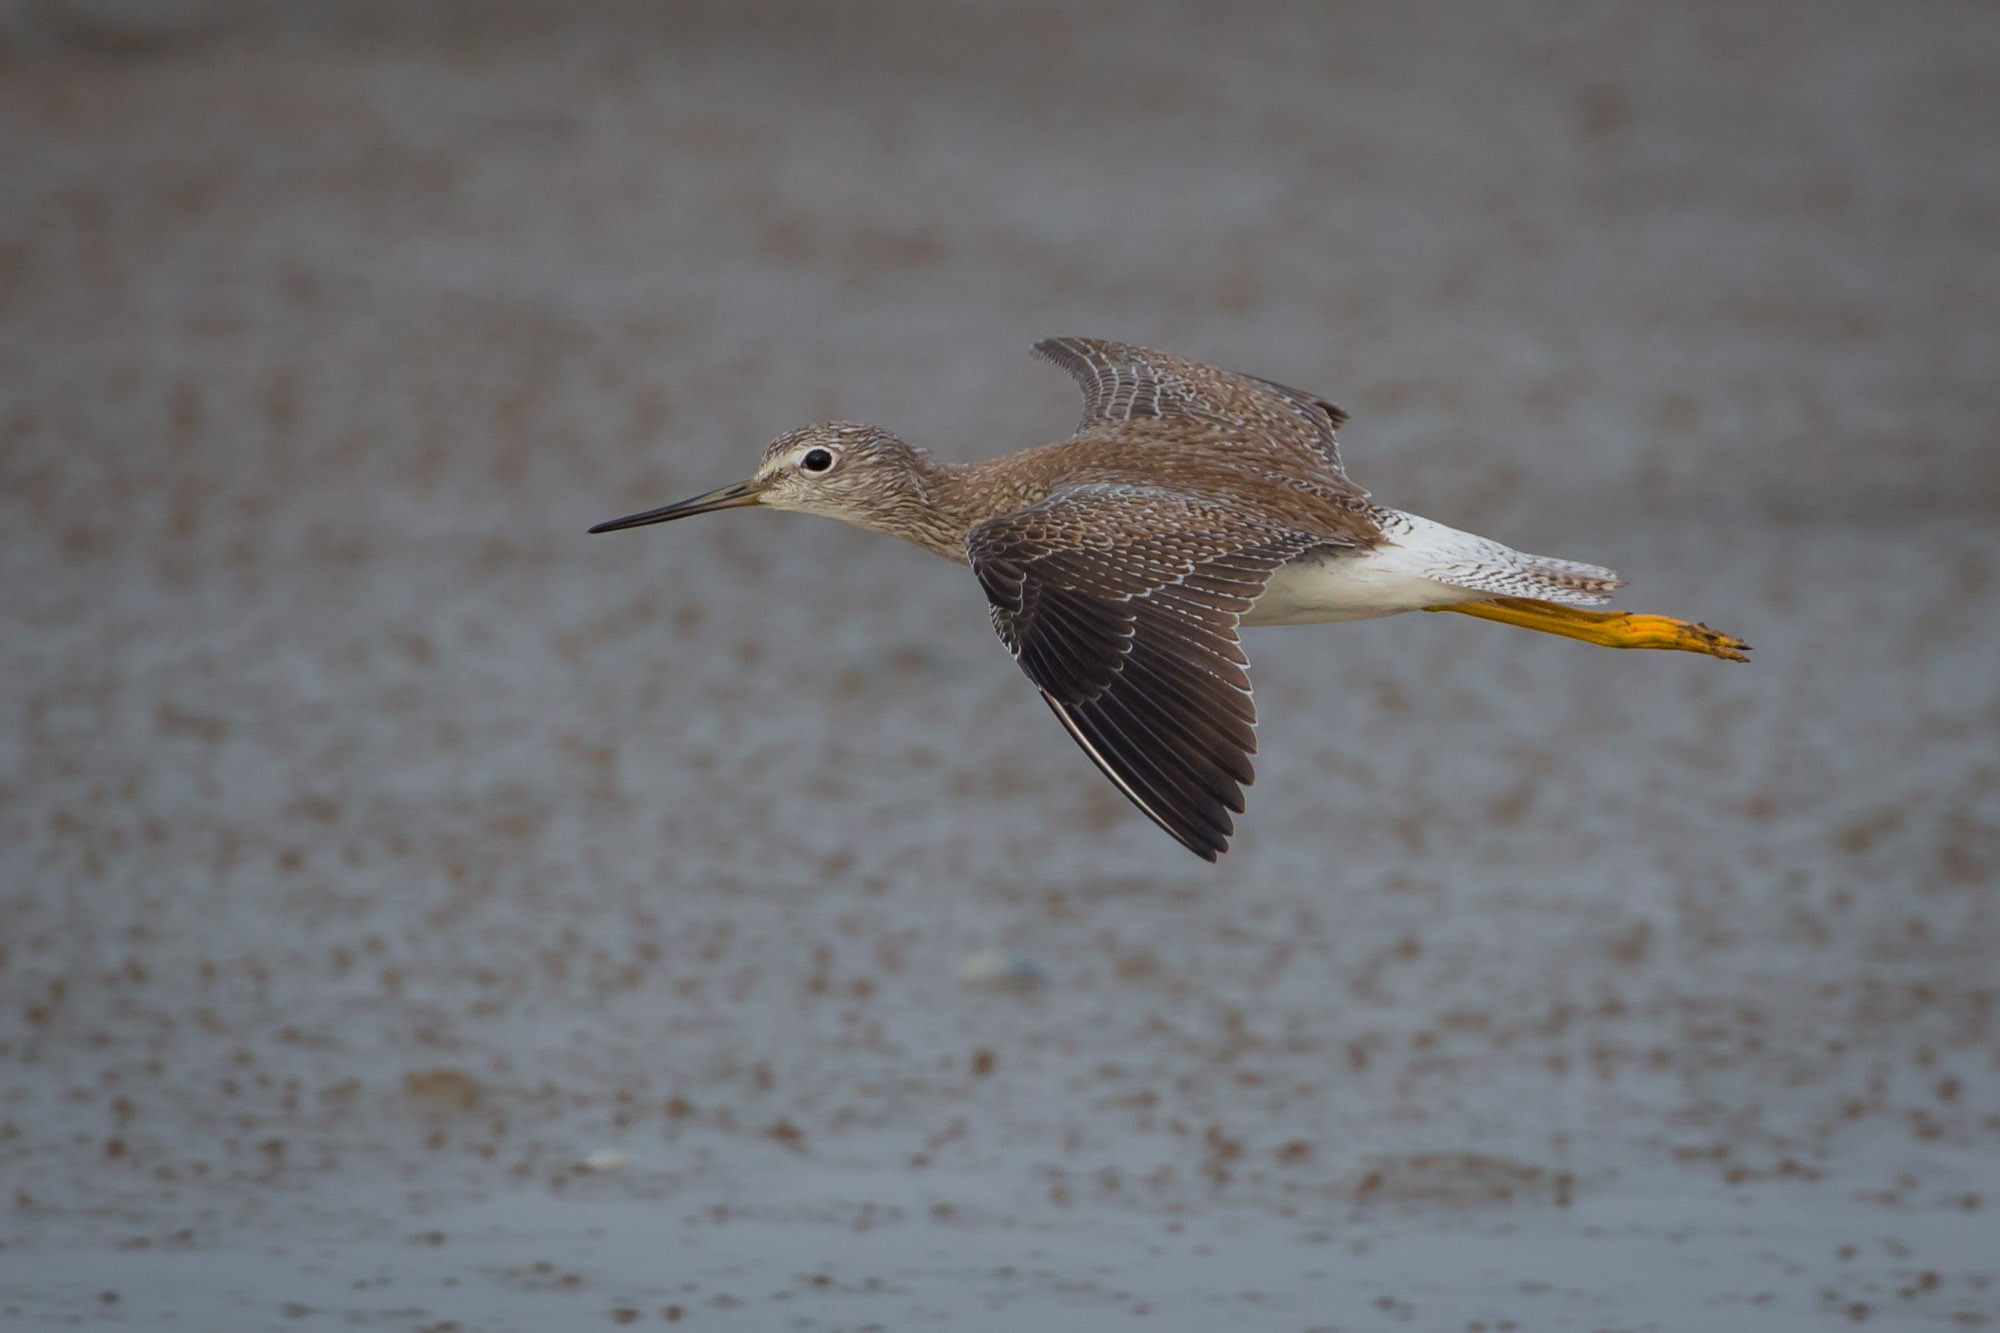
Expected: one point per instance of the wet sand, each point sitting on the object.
(416, 914)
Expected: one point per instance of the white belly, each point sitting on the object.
(1320, 590)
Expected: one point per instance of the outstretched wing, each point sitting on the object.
(1121, 604)
(1122, 383)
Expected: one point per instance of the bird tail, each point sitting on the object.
(1480, 565)
(1541, 577)
(1542, 593)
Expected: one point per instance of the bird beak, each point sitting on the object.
(729, 497)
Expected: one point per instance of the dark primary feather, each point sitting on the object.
(1123, 383)
(1121, 603)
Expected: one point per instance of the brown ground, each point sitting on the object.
(416, 914)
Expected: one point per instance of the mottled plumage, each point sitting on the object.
(1119, 563)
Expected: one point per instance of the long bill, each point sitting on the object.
(727, 497)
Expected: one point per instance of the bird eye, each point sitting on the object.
(816, 460)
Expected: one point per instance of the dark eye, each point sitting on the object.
(816, 460)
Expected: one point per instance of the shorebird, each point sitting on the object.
(1120, 563)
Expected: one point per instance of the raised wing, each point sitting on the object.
(1121, 604)
(1122, 383)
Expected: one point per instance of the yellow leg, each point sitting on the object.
(1612, 629)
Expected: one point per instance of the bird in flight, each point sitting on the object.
(1119, 563)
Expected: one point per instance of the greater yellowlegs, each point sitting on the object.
(1119, 563)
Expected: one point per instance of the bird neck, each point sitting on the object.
(926, 505)
(938, 503)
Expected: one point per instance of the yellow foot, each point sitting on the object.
(1611, 629)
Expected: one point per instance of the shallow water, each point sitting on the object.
(414, 914)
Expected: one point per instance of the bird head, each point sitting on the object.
(858, 474)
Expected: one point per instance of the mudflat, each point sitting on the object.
(417, 914)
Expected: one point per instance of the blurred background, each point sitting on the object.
(414, 913)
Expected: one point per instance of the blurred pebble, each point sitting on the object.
(990, 969)
(605, 1159)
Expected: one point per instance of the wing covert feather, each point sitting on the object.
(1127, 386)
(1121, 604)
